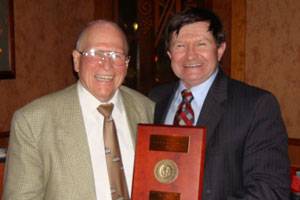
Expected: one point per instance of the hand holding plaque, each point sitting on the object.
(169, 163)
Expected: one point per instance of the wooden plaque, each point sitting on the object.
(169, 163)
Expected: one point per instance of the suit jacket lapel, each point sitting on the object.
(74, 143)
(162, 107)
(131, 112)
(212, 110)
(214, 105)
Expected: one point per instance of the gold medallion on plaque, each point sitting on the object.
(166, 171)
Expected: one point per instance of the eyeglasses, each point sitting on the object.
(97, 55)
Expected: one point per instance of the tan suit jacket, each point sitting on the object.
(48, 156)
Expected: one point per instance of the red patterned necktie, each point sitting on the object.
(115, 168)
(185, 114)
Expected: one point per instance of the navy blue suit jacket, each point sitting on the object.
(246, 152)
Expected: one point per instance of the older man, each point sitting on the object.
(57, 149)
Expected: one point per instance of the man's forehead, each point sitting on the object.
(192, 32)
(201, 25)
(104, 33)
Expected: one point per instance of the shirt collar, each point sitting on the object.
(91, 102)
(199, 90)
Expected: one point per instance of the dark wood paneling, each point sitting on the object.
(145, 63)
(294, 141)
(106, 9)
(4, 136)
(294, 152)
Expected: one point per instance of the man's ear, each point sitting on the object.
(221, 50)
(76, 60)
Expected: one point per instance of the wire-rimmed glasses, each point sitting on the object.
(98, 55)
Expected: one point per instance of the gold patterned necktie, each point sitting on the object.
(115, 168)
(185, 114)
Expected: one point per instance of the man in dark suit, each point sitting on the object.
(246, 147)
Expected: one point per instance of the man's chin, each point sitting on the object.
(104, 98)
(104, 94)
(192, 82)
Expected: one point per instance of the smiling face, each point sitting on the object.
(101, 79)
(194, 53)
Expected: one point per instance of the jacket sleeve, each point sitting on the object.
(23, 171)
(265, 159)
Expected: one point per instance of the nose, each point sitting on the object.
(106, 62)
(191, 53)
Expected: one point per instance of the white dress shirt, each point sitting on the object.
(199, 93)
(93, 122)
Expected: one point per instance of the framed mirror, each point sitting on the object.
(7, 47)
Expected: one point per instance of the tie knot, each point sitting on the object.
(106, 109)
(187, 95)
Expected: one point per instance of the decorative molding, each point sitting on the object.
(163, 11)
(145, 10)
(145, 40)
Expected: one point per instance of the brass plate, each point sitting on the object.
(159, 195)
(169, 143)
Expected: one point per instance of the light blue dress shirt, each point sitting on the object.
(199, 93)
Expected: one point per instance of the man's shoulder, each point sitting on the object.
(134, 95)
(163, 91)
(51, 100)
(251, 96)
(236, 87)
(139, 106)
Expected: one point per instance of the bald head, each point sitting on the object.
(101, 28)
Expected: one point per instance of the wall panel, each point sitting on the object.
(273, 54)
(45, 34)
